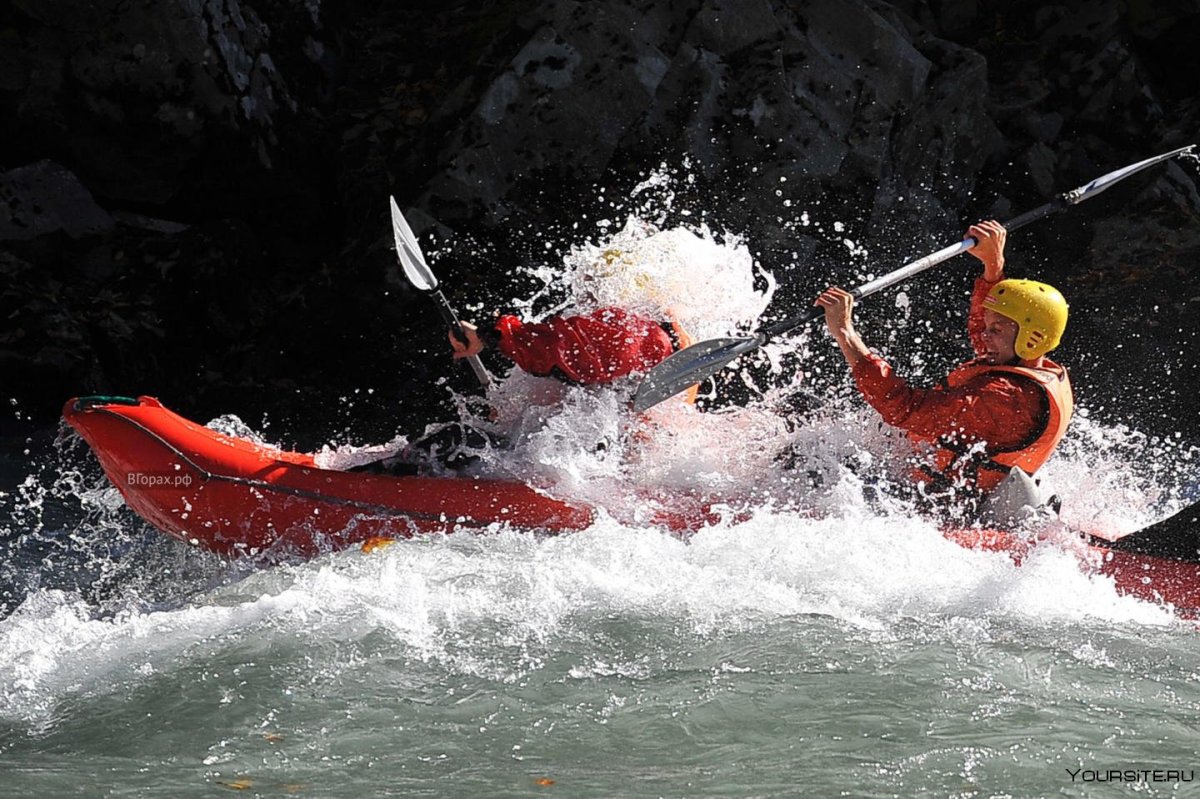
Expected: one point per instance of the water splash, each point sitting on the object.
(66, 529)
(500, 606)
(705, 282)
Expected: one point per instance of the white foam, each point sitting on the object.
(468, 602)
(705, 282)
(52, 647)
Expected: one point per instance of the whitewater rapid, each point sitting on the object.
(818, 636)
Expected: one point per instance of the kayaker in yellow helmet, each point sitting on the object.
(1006, 408)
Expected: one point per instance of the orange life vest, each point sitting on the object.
(955, 461)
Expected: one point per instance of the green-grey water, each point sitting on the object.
(760, 659)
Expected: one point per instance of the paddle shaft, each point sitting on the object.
(1059, 203)
(908, 270)
(412, 261)
(456, 329)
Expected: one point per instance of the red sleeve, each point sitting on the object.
(975, 316)
(1000, 410)
(597, 348)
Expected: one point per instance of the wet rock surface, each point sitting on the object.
(192, 200)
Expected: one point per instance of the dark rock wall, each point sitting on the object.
(193, 190)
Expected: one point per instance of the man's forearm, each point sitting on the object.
(852, 346)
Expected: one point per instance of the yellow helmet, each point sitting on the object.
(1038, 309)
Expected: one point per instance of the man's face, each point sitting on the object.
(999, 338)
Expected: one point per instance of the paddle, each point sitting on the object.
(1176, 538)
(699, 361)
(419, 274)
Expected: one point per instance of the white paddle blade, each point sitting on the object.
(1089, 190)
(688, 367)
(409, 252)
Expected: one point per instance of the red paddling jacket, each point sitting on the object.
(600, 347)
(1017, 413)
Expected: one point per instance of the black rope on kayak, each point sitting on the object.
(88, 403)
(382, 510)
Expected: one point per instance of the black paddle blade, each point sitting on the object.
(1176, 538)
(688, 367)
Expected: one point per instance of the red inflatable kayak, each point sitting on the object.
(235, 497)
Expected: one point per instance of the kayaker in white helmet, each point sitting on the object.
(621, 327)
(592, 347)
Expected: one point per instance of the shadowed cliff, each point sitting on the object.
(192, 200)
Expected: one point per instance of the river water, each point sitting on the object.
(835, 645)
